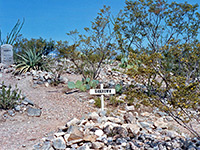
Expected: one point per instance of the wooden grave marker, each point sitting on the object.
(102, 92)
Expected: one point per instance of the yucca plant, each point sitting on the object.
(31, 60)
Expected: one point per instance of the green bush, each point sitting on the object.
(114, 101)
(31, 60)
(170, 83)
(97, 102)
(9, 98)
(47, 46)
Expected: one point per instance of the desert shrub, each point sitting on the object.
(160, 41)
(58, 67)
(31, 60)
(114, 101)
(8, 97)
(97, 102)
(89, 51)
(169, 83)
(40, 44)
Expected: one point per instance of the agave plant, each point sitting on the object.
(31, 60)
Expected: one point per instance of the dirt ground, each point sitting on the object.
(22, 132)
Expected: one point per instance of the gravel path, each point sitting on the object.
(22, 132)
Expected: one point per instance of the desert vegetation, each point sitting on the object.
(156, 43)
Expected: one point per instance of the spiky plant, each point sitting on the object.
(9, 97)
(13, 35)
(31, 60)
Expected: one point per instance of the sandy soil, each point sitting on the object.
(22, 132)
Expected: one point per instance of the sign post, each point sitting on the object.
(102, 92)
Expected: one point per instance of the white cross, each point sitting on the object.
(101, 92)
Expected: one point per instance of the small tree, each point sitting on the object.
(161, 42)
(150, 24)
(89, 51)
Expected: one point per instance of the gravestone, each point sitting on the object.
(7, 54)
(102, 92)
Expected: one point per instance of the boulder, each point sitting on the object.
(72, 122)
(59, 143)
(75, 135)
(34, 112)
(97, 145)
(129, 118)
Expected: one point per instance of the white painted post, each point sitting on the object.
(101, 92)
(102, 101)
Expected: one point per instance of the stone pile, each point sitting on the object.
(6, 68)
(126, 131)
(46, 78)
(112, 74)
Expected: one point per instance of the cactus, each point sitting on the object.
(83, 85)
(71, 85)
(118, 88)
(87, 80)
(82, 88)
(94, 83)
(78, 84)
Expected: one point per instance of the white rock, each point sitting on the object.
(94, 116)
(160, 123)
(89, 124)
(115, 120)
(97, 145)
(64, 79)
(121, 111)
(134, 128)
(72, 122)
(46, 84)
(111, 124)
(59, 134)
(91, 101)
(66, 136)
(59, 143)
(130, 108)
(146, 114)
(99, 132)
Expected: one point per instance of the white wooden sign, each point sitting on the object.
(102, 92)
